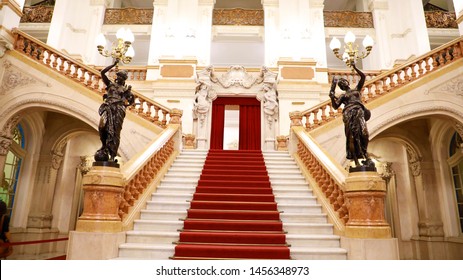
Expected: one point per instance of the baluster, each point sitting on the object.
(28, 49)
(164, 118)
(141, 107)
(48, 59)
(156, 115)
(307, 121)
(323, 110)
(315, 117)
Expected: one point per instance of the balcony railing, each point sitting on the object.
(128, 16)
(238, 16)
(39, 14)
(348, 19)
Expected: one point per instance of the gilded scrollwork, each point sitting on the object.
(238, 16)
(440, 19)
(348, 19)
(128, 16)
(37, 14)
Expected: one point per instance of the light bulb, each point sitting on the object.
(349, 38)
(335, 44)
(100, 40)
(120, 34)
(130, 52)
(368, 41)
(129, 36)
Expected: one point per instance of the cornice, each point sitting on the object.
(13, 6)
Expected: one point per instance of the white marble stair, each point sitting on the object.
(156, 230)
(309, 233)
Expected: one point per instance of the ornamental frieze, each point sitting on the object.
(128, 16)
(440, 19)
(238, 17)
(348, 19)
(39, 14)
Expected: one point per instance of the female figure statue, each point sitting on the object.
(203, 101)
(112, 113)
(354, 116)
(270, 99)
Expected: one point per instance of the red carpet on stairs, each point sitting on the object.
(233, 214)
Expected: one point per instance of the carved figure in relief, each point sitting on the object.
(354, 116)
(270, 99)
(203, 100)
(112, 113)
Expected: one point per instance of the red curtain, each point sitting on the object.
(218, 118)
(249, 127)
(249, 122)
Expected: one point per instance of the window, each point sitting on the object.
(12, 168)
(456, 156)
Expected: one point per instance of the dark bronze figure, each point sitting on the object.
(354, 116)
(117, 98)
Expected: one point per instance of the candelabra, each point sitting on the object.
(121, 49)
(351, 52)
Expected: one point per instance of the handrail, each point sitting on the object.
(145, 169)
(390, 80)
(32, 242)
(85, 75)
(325, 175)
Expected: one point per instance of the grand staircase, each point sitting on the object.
(168, 228)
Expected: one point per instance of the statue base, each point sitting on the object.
(362, 168)
(103, 186)
(106, 163)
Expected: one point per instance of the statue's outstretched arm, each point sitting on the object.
(103, 72)
(362, 77)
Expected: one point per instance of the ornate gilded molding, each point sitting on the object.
(5, 144)
(13, 78)
(454, 85)
(440, 19)
(128, 16)
(348, 19)
(238, 16)
(38, 14)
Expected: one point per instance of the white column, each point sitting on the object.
(204, 32)
(397, 24)
(74, 27)
(317, 42)
(272, 32)
(380, 58)
(458, 5)
(10, 15)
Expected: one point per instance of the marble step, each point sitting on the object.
(292, 191)
(152, 237)
(313, 240)
(305, 253)
(157, 225)
(299, 208)
(296, 199)
(146, 251)
(176, 189)
(167, 205)
(303, 218)
(165, 197)
(172, 215)
(308, 228)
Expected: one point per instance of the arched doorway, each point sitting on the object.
(249, 122)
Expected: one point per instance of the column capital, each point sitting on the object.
(5, 144)
(377, 5)
(270, 3)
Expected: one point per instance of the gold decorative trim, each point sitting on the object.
(13, 6)
(348, 19)
(173, 101)
(440, 19)
(129, 16)
(289, 62)
(8, 32)
(177, 61)
(238, 16)
(459, 17)
(39, 14)
(298, 103)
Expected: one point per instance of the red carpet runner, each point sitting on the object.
(233, 214)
